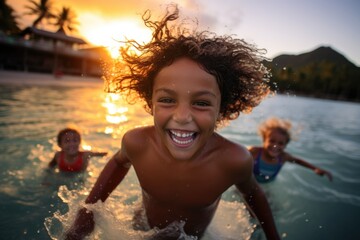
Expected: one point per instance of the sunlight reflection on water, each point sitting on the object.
(31, 116)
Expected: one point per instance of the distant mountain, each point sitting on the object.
(322, 73)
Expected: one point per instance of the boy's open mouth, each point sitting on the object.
(181, 137)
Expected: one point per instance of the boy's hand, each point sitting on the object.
(83, 225)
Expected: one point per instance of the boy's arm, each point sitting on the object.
(256, 200)
(306, 164)
(255, 197)
(110, 177)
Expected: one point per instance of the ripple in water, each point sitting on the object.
(114, 218)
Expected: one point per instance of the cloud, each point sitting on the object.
(115, 9)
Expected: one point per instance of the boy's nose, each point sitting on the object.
(182, 114)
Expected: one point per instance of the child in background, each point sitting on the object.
(191, 83)
(70, 159)
(269, 158)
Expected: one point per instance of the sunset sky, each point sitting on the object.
(280, 26)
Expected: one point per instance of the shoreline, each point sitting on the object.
(17, 77)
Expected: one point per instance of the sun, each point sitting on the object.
(110, 32)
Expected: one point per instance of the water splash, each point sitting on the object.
(114, 219)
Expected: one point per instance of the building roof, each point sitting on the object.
(59, 35)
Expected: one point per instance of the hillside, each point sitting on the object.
(322, 73)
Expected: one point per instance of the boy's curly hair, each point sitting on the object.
(236, 65)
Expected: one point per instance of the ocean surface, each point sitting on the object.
(39, 204)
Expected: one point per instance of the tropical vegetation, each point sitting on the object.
(66, 19)
(322, 73)
(42, 10)
(8, 23)
(45, 15)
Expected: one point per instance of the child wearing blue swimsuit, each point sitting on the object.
(269, 158)
(264, 171)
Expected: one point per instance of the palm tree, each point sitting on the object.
(43, 10)
(8, 22)
(65, 19)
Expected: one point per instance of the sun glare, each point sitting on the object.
(109, 33)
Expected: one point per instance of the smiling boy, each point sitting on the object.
(190, 83)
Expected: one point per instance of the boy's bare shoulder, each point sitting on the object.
(138, 132)
(236, 160)
(254, 149)
(135, 142)
(138, 136)
(236, 153)
(257, 148)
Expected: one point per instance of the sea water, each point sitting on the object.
(37, 203)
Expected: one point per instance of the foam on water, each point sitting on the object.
(304, 205)
(114, 218)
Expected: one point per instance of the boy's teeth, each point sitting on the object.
(182, 142)
(183, 135)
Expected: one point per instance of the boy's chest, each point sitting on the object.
(189, 186)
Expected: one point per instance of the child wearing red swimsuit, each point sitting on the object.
(75, 166)
(70, 159)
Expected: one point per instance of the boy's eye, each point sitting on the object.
(202, 103)
(166, 100)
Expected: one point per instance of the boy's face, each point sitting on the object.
(275, 142)
(70, 143)
(185, 105)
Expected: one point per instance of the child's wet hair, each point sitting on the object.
(236, 65)
(65, 131)
(273, 123)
